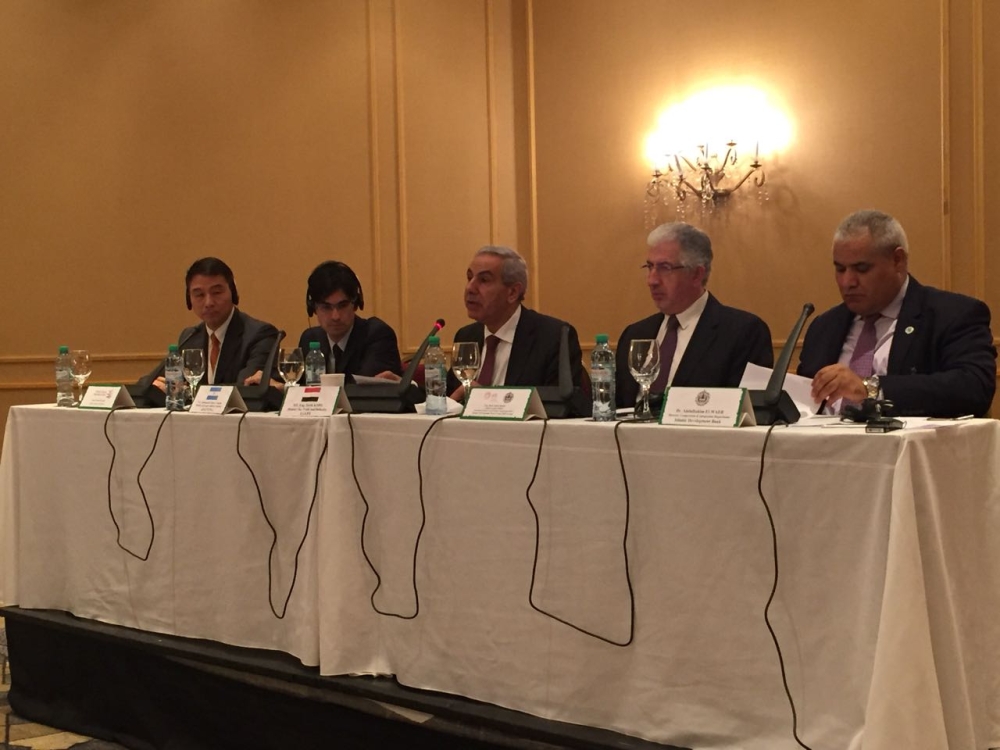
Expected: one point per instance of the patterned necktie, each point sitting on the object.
(213, 352)
(485, 376)
(863, 357)
(667, 348)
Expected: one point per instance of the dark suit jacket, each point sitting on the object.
(942, 361)
(534, 354)
(244, 351)
(371, 349)
(722, 344)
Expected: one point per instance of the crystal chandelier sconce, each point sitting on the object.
(707, 179)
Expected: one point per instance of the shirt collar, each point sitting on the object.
(342, 343)
(694, 311)
(220, 332)
(893, 308)
(506, 331)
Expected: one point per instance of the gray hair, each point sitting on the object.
(696, 246)
(887, 234)
(514, 269)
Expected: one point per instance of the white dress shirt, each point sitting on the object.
(502, 356)
(220, 334)
(686, 323)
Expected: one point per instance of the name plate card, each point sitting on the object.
(217, 399)
(106, 397)
(707, 407)
(314, 401)
(516, 403)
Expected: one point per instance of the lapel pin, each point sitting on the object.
(909, 329)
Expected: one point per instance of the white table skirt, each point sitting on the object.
(887, 609)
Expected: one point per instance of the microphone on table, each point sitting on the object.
(773, 404)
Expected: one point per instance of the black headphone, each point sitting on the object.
(210, 267)
(329, 277)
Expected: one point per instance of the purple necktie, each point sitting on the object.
(667, 348)
(485, 376)
(863, 356)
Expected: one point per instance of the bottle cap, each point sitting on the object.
(314, 345)
(602, 338)
(434, 340)
(64, 350)
(172, 348)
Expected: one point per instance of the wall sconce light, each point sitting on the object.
(682, 170)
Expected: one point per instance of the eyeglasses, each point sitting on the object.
(327, 308)
(661, 269)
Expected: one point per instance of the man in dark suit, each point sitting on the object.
(518, 346)
(350, 343)
(702, 342)
(235, 344)
(928, 351)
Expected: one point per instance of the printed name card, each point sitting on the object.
(106, 397)
(217, 399)
(314, 401)
(707, 407)
(516, 403)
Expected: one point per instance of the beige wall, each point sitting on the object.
(399, 136)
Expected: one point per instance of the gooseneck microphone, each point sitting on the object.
(407, 378)
(773, 404)
(773, 391)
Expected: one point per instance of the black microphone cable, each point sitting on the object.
(420, 532)
(274, 531)
(534, 563)
(138, 480)
(774, 587)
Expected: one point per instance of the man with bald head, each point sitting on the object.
(928, 351)
(703, 343)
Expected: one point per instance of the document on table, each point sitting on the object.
(799, 388)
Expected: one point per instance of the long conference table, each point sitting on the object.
(887, 607)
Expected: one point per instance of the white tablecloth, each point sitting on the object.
(887, 608)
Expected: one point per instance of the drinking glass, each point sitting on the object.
(644, 364)
(290, 365)
(80, 359)
(194, 368)
(465, 363)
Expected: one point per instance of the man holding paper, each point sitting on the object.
(234, 343)
(928, 351)
(703, 343)
(518, 346)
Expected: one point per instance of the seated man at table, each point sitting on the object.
(928, 351)
(235, 344)
(518, 346)
(703, 343)
(350, 343)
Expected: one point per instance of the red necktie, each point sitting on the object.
(667, 348)
(485, 376)
(213, 352)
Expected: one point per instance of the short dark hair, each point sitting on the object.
(329, 277)
(210, 267)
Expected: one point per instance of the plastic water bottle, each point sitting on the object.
(173, 373)
(435, 378)
(315, 364)
(602, 380)
(64, 378)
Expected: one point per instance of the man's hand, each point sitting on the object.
(389, 375)
(255, 379)
(838, 381)
(161, 383)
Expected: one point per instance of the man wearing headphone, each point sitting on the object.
(235, 344)
(350, 343)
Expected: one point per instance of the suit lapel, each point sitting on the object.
(356, 343)
(228, 366)
(702, 339)
(908, 328)
(520, 350)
